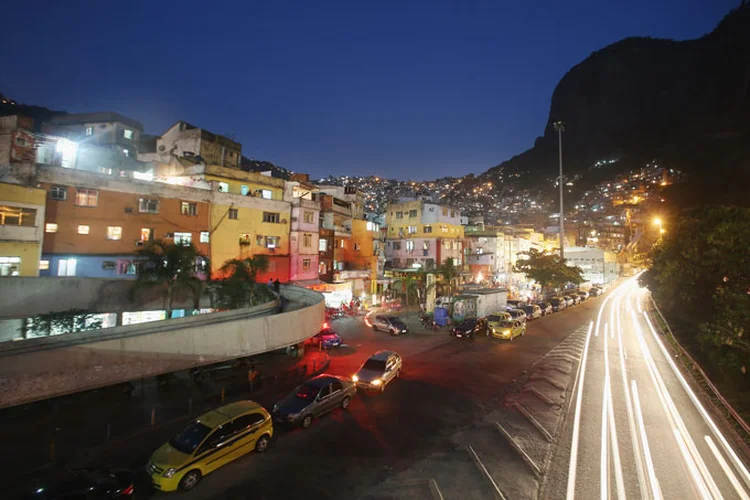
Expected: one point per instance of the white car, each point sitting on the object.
(518, 314)
(378, 371)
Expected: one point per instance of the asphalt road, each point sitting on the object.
(635, 430)
(418, 428)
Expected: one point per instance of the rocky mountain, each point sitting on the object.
(686, 103)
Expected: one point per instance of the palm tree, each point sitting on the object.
(238, 289)
(449, 272)
(172, 266)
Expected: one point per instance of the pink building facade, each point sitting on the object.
(304, 240)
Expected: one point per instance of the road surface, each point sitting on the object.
(636, 428)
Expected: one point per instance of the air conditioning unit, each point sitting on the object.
(169, 235)
(128, 210)
(283, 221)
(138, 243)
(294, 219)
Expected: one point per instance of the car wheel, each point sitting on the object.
(345, 403)
(307, 421)
(261, 444)
(190, 480)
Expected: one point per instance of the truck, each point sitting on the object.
(479, 303)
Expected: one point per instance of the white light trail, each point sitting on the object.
(655, 489)
(727, 469)
(691, 465)
(573, 462)
(717, 433)
(615, 450)
(603, 453)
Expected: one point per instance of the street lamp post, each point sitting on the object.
(560, 127)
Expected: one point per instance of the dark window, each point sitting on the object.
(336, 385)
(272, 217)
(375, 365)
(58, 193)
(189, 439)
(234, 213)
(148, 206)
(239, 424)
(325, 391)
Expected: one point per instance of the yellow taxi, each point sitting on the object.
(508, 329)
(209, 442)
(495, 319)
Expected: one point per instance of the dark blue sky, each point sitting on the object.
(409, 91)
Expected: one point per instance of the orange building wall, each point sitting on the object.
(110, 211)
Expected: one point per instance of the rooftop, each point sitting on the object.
(100, 117)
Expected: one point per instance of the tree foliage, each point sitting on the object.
(449, 272)
(701, 273)
(239, 288)
(172, 267)
(548, 269)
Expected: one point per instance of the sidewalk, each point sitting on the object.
(77, 427)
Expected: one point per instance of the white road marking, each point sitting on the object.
(654, 482)
(727, 469)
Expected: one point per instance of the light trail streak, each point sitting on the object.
(655, 489)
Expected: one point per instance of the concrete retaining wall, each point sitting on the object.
(42, 368)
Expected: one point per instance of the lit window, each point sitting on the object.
(357, 246)
(17, 216)
(204, 237)
(128, 134)
(412, 229)
(244, 190)
(223, 187)
(272, 241)
(306, 264)
(427, 229)
(89, 130)
(322, 245)
(147, 234)
(410, 246)
(43, 265)
(10, 266)
(125, 152)
(369, 225)
(87, 197)
(233, 213)
(59, 193)
(148, 206)
(187, 208)
(183, 238)
(114, 232)
(66, 267)
(83, 229)
(307, 240)
(266, 193)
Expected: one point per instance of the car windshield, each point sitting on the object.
(506, 324)
(190, 438)
(495, 318)
(467, 323)
(306, 392)
(377, 365)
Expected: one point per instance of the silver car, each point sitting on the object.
(317, 396)
(518, 314)
(378, 371)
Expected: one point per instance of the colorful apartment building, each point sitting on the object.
(423, 234)
(21, 229)
(304, 231)
(95, 223)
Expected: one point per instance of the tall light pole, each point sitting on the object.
(560, 127)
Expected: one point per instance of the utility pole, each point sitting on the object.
(560, 127)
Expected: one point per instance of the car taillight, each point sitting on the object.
(128, 491)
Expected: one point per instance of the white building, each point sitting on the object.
(599, 266)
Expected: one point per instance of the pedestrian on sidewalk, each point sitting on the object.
(253, 377)
(277, 286)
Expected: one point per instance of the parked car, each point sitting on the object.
(509, 329)
(569, 302)
(584, 295)
(378, 371)
(470, 328)
(317, 396)
(495, 319)
(546, 308)
(517, 314)
(390, 324)
(327, 337)
(558, 303)
(532, 311)
(595, 291)
(79, 483)
(576, 298)
(211, 441)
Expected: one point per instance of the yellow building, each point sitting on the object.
(366, 252)
(423, 234)
(245, 226)
(236, 181)
(21, 229)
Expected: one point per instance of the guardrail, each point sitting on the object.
(704, 378)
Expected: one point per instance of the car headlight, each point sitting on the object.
(169, 473)
(377, 382)
(355, 378)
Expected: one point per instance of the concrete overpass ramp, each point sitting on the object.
(41, 368)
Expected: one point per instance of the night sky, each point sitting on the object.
(419, 91)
